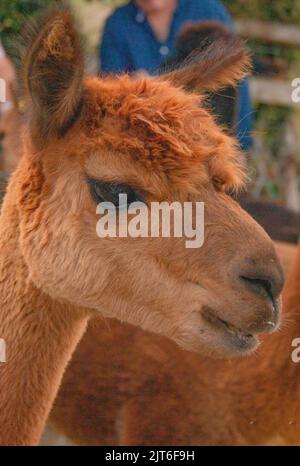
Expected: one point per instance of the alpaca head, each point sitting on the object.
(89, 140)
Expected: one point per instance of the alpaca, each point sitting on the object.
(128, 387)
(85, 141)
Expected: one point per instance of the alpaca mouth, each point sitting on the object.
(240, 338)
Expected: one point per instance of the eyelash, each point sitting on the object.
(109, 192)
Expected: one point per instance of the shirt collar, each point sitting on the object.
(139, 15)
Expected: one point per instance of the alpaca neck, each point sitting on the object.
(40, 336)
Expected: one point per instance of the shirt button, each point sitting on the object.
(140, 17)
(164, 50)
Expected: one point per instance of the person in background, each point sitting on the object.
(141, 35)
(7, 73)
(10, 119)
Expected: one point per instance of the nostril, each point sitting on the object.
(260, 286)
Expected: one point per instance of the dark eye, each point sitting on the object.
(109, 192)
(218, 183)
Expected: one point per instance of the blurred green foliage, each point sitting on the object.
(271, 124)
(270, 120)
(12, 13)
(279, 11)
(285, 11)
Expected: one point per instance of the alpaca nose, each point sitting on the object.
(262, 275)
(265, 287)
(264, 280)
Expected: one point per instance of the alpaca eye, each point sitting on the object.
(109, 192)
(218, 183)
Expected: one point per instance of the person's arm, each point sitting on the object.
(112, 52)
(7, 73)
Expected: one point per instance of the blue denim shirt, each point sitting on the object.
(129, 44)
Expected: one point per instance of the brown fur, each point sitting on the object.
(194, 37)
(55, 273)
(128, 387)
(287, 254)
(211, 64)
(53, 75)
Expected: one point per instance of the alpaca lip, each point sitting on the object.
(239, 337)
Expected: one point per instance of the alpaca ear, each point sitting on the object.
(222, 63)
(53, 75)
